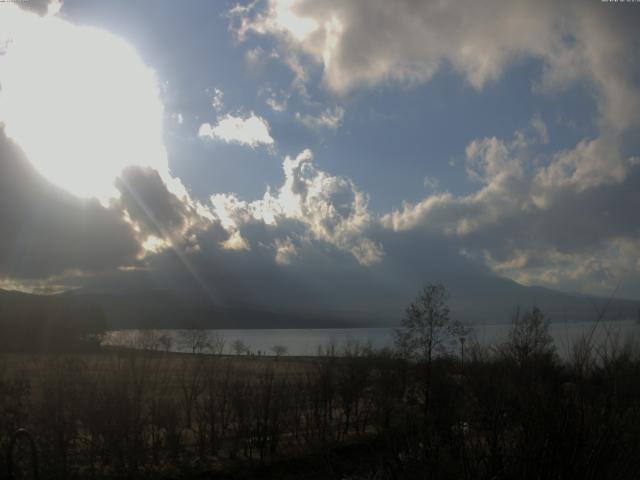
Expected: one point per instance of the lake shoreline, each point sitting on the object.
(314, 342)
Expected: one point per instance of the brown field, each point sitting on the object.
(511, 412)
(124, 412)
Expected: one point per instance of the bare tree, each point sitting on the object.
(460, 332)
(238, 347)
(217, 343)
(529, 337)
(352, 380)
(426, 327)
(191, 383)
(196, 339)
(165, 341)
(147, 340)
(279, 350)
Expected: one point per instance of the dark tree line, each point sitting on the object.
(50, 325)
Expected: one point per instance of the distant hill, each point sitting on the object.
(161, 309)
(485, 303)
(485, 307)
(48, 323)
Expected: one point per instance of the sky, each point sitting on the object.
(334, 154)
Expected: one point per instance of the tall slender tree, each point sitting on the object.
(425, 329)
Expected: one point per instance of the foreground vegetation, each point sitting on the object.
(420, 411)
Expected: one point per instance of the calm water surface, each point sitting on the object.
(306, 341)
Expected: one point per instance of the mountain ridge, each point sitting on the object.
(159, 308)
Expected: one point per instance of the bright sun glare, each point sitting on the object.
(79, 101)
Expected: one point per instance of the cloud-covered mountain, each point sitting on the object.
(525, 209)
(319, 260)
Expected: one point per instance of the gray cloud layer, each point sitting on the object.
(566, 219)
(149, 204)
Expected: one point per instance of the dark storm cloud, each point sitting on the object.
(569, 223)
(46, 231)
(149, 203)
(573, 222)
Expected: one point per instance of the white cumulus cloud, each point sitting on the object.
(330, 118)
(251, 130)
(217, 102)
(327, 209)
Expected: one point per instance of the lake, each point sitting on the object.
(305, 342)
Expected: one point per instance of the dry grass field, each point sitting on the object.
(515, 411)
